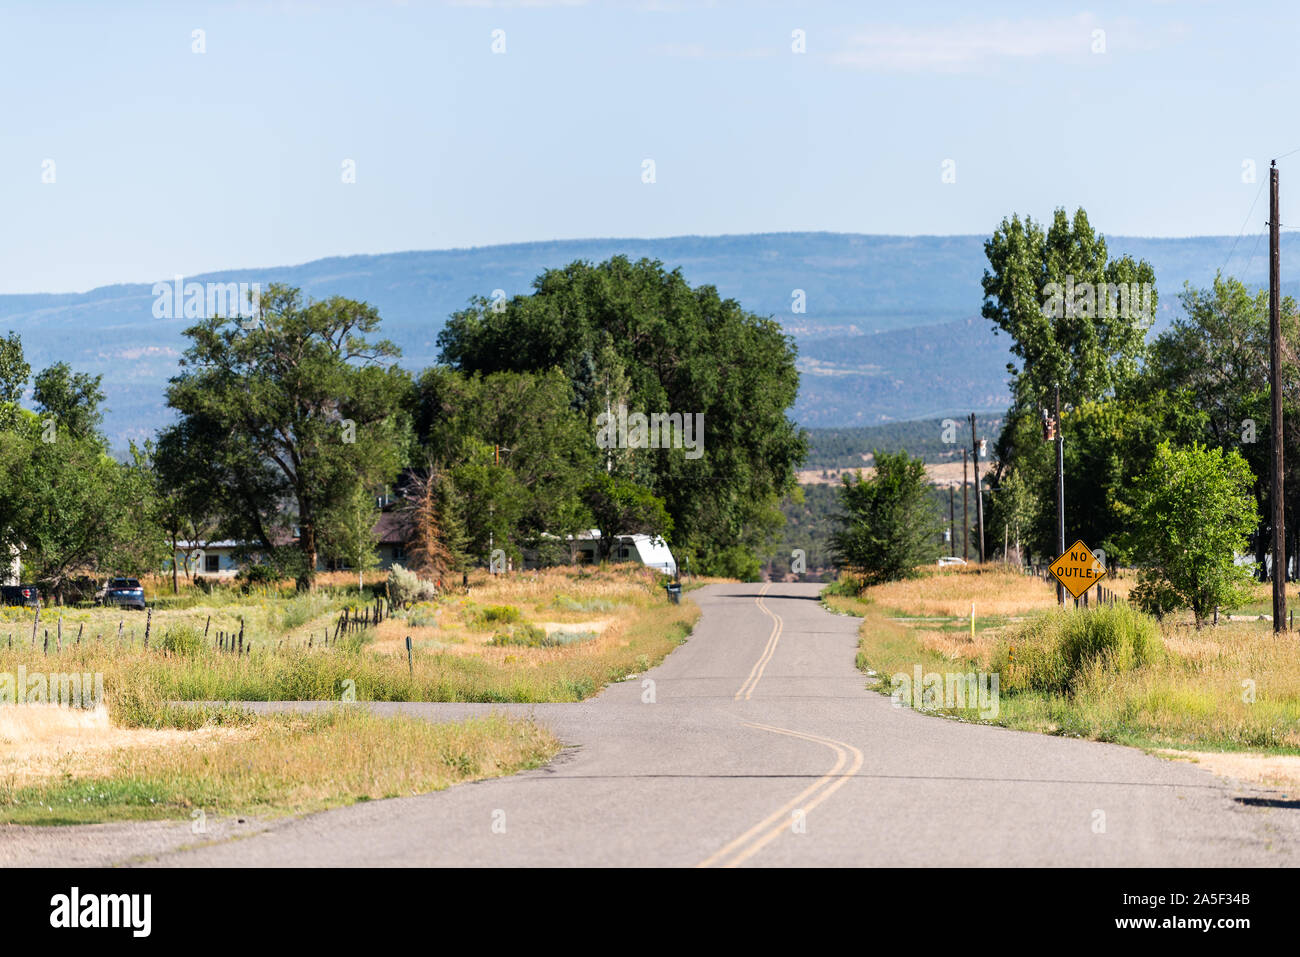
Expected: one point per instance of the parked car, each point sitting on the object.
(950, 560)
(28, 595)
(126, 592)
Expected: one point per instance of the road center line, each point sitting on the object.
(756, 672)
(777, 823)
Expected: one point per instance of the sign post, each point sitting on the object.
(1078, 569)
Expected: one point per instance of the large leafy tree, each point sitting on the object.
(300, 407)
(1215, 358)
(890, 524)
(1055, 291)
(636, 334)
(1044, 288)
(1194, 511)
(189, 497)
(66, 507)
(527, 425)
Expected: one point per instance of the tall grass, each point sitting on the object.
(1105, 674)
(1051, 651)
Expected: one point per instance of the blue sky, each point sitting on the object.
(168, 161)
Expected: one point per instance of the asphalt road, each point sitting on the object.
(756, 743)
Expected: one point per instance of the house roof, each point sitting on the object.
(394, 527)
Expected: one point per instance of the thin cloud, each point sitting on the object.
(695, 51)
(968, 47)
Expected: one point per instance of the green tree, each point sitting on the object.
(494, 502)
(1215, 359)
(621, 507)
(14, 373)
(527, 423)
(140, 543)
(302, 409)
(636, 331)
(62, 505)
(347, 530)
(890, 524)
(1194, 510)
(1059, 297)
(72, 399)
(189, 495)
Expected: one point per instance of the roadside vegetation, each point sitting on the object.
(147, 751)
(236, 763)
(560, 634)
(1108, 674)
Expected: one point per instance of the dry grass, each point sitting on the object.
(1272, 770)
(948, 593)
(275, 764)
(39, 742)
(957, 645)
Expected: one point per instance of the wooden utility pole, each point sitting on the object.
(1060, 492)
(965, 522)
(979, 495)
(952, 521)
(1275, 386)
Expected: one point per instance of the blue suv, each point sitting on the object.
(126, 592)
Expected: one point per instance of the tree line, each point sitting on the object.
(1166, 438)
(290, 424)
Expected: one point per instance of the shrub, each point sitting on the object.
(405, 587)
(492, 615)
(185, 641)
(570, 637)
(529, 636)
(253, 576)
(565, 603)
(423, 615)
(1195, 510)
(1051, 652)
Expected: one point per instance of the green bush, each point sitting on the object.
(1051, 652)
(183, 640)
(570, 637)
(405, 587)
(565, 603)
(484, 617)
(529, 636)
(423, 615)
(253, 576)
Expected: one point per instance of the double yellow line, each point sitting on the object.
(756, 672)
(779, 821)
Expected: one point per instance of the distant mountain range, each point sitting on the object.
(891, 329)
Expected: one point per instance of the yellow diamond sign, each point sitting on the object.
(1078, 569)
